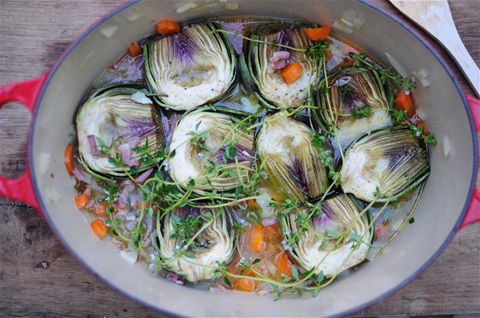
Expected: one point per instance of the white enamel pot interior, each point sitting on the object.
(444, 200)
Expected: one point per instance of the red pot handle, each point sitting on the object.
(473, 211)
(25, 92)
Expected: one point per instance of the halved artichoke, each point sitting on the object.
(209, 150)
(286, 153)
(215, 243)
(113, 124)
(261, 74)
(331, 242)
(191, 68)
(349, 91)
(384, 165)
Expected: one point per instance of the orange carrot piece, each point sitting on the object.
(380, 231)
(271, 230)
(81, 200)
(422, 123)
(328, 55)
(99, 228)
(101, 209)
(244, 284)
(292, 72)
(68, 159)
(167, 27)
(134, 49)
(252, 205)
(257, 240)
(316, 34)
(404, 102)
(283, 264)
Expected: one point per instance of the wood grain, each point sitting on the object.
(38, 278)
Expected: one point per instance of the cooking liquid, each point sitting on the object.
(129, 71)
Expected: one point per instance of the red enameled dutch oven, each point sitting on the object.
(450, 200)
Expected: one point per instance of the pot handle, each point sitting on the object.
(25, 92)
(473, 210)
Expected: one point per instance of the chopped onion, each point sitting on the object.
(358, 22)
(446, 146)
(422, 75)
(129, 256)
(421, 113)
(141, 98)
(186, 6)
(134, 17)
(425, 82)
(396, 65)
(43, 162)
(342, 27)
(51, 195)
(109, 31)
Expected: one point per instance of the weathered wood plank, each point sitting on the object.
(38, 278)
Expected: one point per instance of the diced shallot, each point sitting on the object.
(92, 143)
(279, 59)
(126, 153)
(142, 177)
(175, 278)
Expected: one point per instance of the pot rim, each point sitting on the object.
(394, 18)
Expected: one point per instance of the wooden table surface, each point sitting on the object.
(38, 278)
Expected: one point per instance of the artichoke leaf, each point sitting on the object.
(291, 161)
(214, 244)
(325, 244)
(261, 76)
(209, 151)
(191, 68)
(384, 165)
(349, 91)
(111, 124)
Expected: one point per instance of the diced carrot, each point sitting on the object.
(101, 209)
(257, 239)
(404, 102)
(134, 49)
(99, 228)
(81, 200)
(422, 123)
(68, 159)
(380, 231)
(292, 72)
(328, 55)
(244, 284)
(316, 34)
(166, 27)
(271, 230)
(283, 264)
(252, 205)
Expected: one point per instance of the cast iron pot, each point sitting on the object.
(448, 203)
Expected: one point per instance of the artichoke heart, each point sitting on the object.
(331, 242)
(213, 241)
(349, 91)
(291, 161)
(210, 150)
(191, 68)
(384, 165)
(262, 62)
(111, 124)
